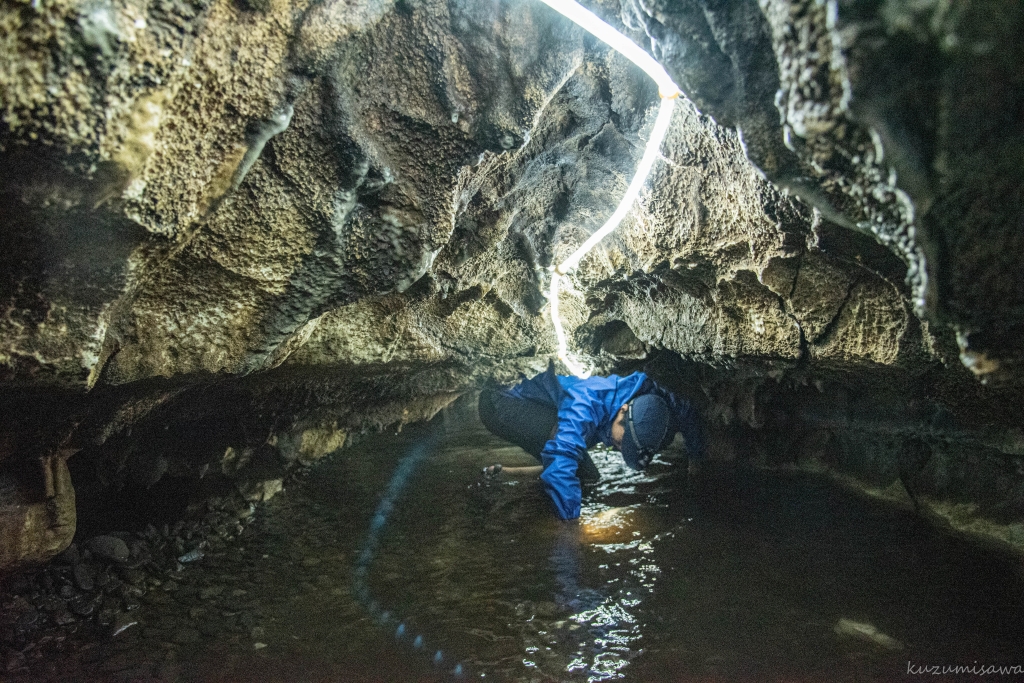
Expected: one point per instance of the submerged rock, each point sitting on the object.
(84, 576)
(867, 633)
(109, 548)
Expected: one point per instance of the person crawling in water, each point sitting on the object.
(556, 418)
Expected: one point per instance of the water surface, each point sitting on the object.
(737, 575)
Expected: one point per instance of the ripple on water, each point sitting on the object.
(748, 577)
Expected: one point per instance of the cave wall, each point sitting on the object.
(235, 232)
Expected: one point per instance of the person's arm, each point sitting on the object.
(561, 456)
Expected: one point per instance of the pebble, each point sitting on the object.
(210, 592)
(103, 580)
(28, 617)
(83, 608)
(191, 556)
(51, 603)
(15, 660)
(122, 622)
(133, 576)
(63, 617)
(85, 578)
(109, 548)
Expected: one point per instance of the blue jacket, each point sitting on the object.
(586, 411)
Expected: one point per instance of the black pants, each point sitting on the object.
(528, 424)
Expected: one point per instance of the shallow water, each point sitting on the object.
(740, 576)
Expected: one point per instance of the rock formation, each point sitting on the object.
(235, 232)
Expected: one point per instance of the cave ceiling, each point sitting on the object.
(278, 192)
(222, 188)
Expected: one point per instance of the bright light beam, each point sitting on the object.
(668, 91)
(623, 45)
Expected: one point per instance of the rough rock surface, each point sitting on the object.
(237, 232)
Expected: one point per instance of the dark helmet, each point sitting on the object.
(646, 426)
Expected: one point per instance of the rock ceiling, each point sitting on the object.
(278, 192)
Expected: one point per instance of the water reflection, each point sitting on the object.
(747, 576)
(604, 568)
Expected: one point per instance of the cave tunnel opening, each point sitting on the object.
(305, 552)
(266, 265)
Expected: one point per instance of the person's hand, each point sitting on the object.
(492, 471)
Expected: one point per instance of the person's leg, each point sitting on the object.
(527, 424)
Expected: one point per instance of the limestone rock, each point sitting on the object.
(239, 233)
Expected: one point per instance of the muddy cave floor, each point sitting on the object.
(735, 575)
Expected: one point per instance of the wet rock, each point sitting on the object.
(52, 603)
(63, 617)
(191, 556)
(102, 579)
(113, 585)
(14, 660)
(109, 548)
(28, 617)
(85, 576)
(83, 607)
(122, 622)
(137, 548)
(548, 609)
(133, 576)
(868, 633)
(260, 490)
(156, 598)
(210, 592)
